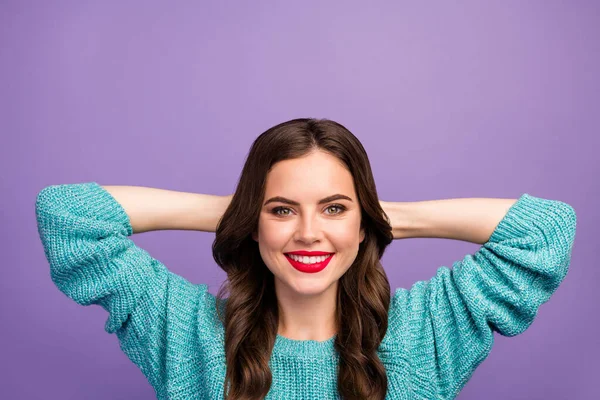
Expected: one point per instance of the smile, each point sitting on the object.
(318, 263)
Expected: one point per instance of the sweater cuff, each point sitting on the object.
(549, 217)
(103, 203)
(89, 200)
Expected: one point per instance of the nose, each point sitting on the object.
(308, 230)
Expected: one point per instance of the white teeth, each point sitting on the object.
(308, 260)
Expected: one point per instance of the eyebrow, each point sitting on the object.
(327, 199)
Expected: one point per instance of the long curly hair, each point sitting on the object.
(251, 317)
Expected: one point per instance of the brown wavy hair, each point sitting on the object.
(251, 317)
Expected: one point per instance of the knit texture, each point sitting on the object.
(439, 331)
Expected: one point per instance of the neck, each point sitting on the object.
(307, 317)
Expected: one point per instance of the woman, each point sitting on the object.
(297, 326)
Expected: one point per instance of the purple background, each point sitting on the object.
(476, 100)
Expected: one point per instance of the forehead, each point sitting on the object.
(317, 172)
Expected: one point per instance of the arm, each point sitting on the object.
(85, 233)
(471, 219)
(446, 324)
(151, 209)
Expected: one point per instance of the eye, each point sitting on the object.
(277, 209)
(338, 206)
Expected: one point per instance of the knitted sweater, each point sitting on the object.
(440, 330)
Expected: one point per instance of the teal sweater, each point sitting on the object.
(439, 331)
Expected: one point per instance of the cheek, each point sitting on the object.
(343, 238)
(275, 235)
(347, 233)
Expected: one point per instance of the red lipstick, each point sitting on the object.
(309, 268)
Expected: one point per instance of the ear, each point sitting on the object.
(362, 235)
(255, 236)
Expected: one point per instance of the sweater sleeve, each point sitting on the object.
(449, 320)
(84, 232)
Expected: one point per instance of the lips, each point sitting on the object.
(309, 268)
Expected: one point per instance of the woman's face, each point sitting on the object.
(332, 227)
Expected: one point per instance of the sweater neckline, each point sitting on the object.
(304, 348)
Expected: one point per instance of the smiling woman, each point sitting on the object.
(309, 313)
(280, 291)
(307, 304)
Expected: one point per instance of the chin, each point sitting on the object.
(310, 286)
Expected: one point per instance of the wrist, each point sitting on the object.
(401, 217)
